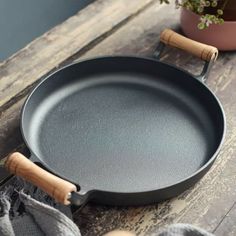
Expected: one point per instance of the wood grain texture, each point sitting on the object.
(209, 202)
(44, 55)
(10, 134)
(200, 204)
(227, 226)
(76, 34)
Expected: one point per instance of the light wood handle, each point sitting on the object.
(203, 51)
(119, 233)
(56, 187)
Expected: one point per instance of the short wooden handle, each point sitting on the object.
(119, 233)
(203, 51)
(56, 187)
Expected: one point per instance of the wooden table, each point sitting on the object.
(109, 27)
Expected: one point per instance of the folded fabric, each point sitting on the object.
(172, 230)
(26, 210)
(20, 214)
(182, 230)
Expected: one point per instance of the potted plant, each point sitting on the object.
(209, 21)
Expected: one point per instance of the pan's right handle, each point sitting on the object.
(57, 188)
(205, 52)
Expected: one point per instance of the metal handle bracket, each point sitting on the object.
(204, 52)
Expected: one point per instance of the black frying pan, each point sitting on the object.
(124, 130)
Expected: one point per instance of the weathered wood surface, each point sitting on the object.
(211, 203)
(73, 37)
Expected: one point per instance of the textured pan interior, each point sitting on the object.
(122, 124)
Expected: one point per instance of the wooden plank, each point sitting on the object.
(205, 205)
(140, 36)
(10, 135)
(227, 226)
(77, 34)
(199, 205)
(218, 195)
(23, 70)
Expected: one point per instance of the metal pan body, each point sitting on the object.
(126, 130)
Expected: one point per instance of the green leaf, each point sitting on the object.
(220, 12)
(201, 26)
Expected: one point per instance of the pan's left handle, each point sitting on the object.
(57, 188)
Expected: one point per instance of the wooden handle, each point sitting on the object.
(203, 51)
(119, 233)
(56, 187)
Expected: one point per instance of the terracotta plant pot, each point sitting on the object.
(221, 36)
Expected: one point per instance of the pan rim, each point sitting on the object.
(130, 57)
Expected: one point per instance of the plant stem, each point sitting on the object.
(224, 4)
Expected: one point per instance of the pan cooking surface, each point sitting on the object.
(113, 134)
(125, 131)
